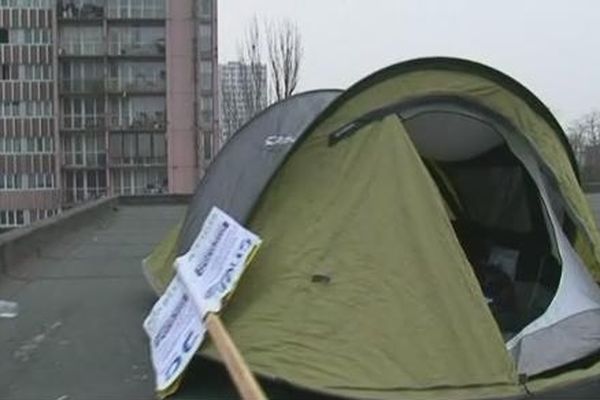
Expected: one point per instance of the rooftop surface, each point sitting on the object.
(82, 299)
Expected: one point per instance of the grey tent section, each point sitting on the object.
(570, 327)
(237, 177)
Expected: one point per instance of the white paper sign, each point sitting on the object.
(215, 262)
(175, 330)
(204, 276)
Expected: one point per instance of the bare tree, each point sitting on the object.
(578, 143)
(285, 52)
(584, 137)
(244, 94)
(243, 99)
(253, 70)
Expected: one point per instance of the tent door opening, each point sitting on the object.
(496, 211)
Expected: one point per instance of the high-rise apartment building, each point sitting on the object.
(243, 93)
(104, 97)
(29, 162)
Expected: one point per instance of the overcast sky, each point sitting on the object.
(551, 46)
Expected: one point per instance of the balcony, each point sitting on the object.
(91, 86)
(80, 9)
(84, 161)
(145, 11)
(137, 161)
(78, 123)
(81, 48)
(141, 121)
(155, 48)
(137, 85)
(72, 196)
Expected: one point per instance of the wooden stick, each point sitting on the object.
(243, 379)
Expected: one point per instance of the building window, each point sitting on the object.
(38, 214)
(205, 37)
(206, 8)
(14, 218)
(35, 72)
(138, 113)
(84, 149)
(131, 181)
(81, 9)
(12, 109)
(3, 35)
(33, 181)
(40, 181)
(20, 220)
(137, 76)
(26, 3)
(84, 185)
(81, 41)
(9, 109)
(130, 148)
(136, 41)
(82, 76)
(22, 144)
(207, 145)
(82, 112)
(11, 181)
(30, 36)
(206, 75)
(136, 9)
(5, 72)
(206, 111)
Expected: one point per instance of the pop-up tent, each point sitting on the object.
(425, 236)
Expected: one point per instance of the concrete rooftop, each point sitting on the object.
(82, 299)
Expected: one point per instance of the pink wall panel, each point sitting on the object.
(23, 200)
(181, 135)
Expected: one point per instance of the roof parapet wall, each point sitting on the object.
(22, 243)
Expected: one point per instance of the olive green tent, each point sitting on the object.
(425, 236)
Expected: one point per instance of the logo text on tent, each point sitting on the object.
(278, 140)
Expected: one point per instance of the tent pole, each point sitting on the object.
(241, 375)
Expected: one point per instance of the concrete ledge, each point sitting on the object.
(591, 187)
(156, 199)
(19, 244)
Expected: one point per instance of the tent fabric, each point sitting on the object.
(157, 266)
(469, 137)
(569, 376)
(477, 187)
(570, 327)
(384, 283)
(238, 175)
(531, 351)
(576, 292)
(362, 288)
(434, 78)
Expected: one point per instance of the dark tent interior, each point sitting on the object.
(495, 209)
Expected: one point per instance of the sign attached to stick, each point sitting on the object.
(216, 260)
(175, 329)
(205, 275)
